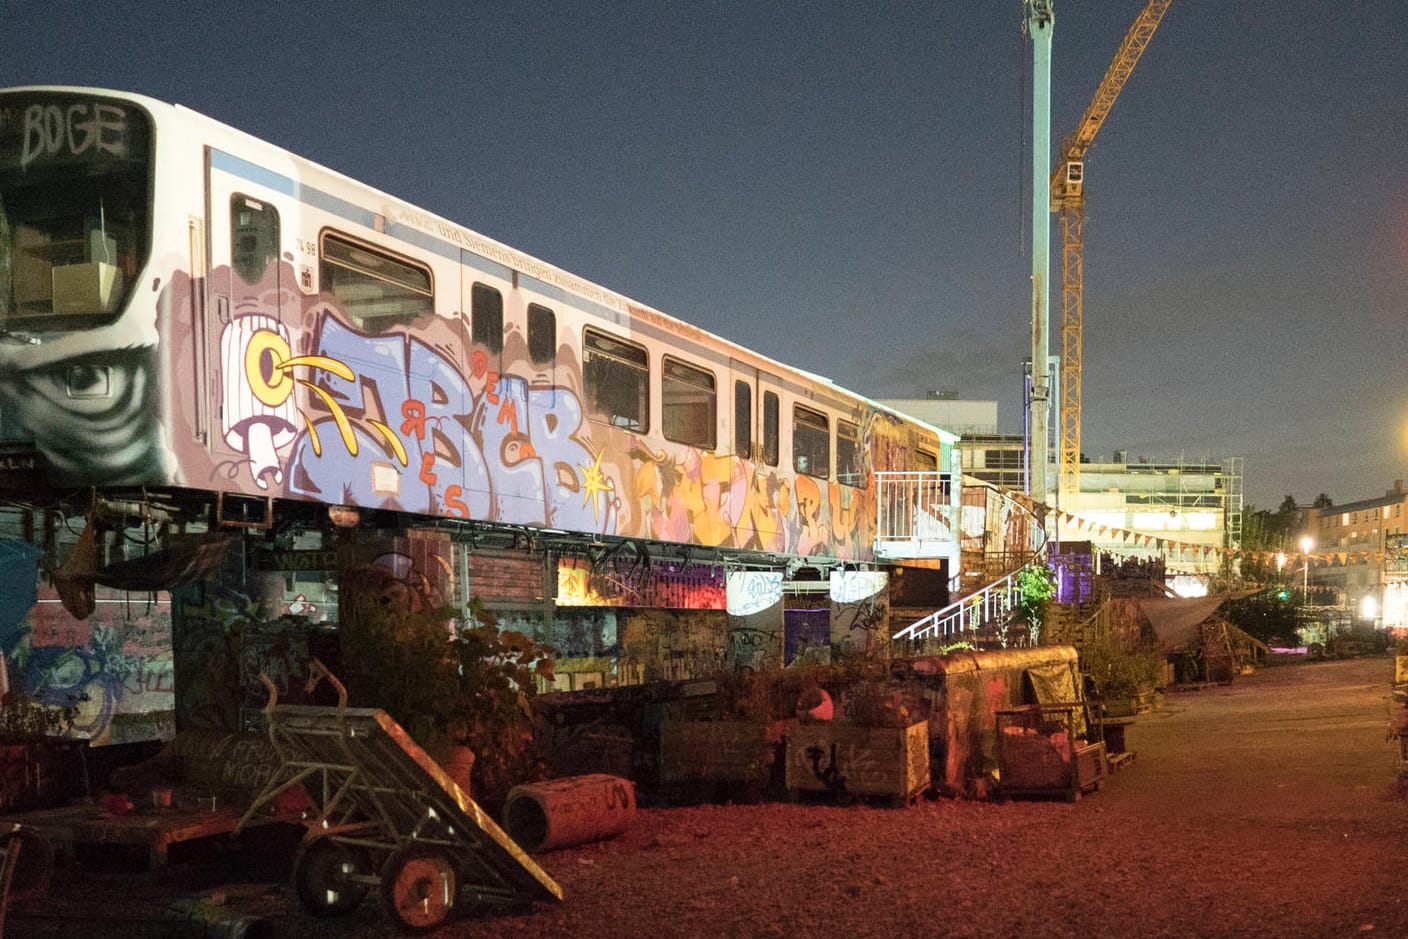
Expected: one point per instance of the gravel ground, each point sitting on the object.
(1269, 807)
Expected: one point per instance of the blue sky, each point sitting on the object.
(840, 185)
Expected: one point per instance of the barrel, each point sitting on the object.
(559, 813)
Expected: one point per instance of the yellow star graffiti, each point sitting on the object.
(594, 483)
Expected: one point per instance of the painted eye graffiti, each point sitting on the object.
(88, 381)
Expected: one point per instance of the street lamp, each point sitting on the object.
(1306, 544)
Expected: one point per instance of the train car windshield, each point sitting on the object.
(75, 208)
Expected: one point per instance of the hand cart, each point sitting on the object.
(385, 815)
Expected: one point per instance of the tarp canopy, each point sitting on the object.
(184, 560)
(955, 662)
(1054, 683)
(1176, 621)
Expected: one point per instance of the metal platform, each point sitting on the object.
(385, 815)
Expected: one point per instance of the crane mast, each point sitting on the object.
(1038, 25)
(1068, 198)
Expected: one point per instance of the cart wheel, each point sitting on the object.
(322, 873)
(418, 886)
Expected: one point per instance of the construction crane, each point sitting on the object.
(1068, 198)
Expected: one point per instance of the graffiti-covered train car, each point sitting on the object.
(185, 306)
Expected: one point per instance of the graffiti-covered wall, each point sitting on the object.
(755, 620)
(860, 612)
(112, 667)
(115, 666)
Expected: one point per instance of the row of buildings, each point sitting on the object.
(1359, 550)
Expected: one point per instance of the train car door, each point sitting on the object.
(252, 299)
(753, 432)
(754, 425)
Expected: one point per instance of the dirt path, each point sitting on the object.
(1265, 808)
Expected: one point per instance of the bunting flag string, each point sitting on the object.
(1137, 539)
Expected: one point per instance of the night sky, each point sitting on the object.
(842, 186)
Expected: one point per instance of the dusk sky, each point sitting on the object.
(842, 186)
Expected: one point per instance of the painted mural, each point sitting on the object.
(115, 666)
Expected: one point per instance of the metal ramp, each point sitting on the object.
(384, 815)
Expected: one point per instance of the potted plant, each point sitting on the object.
(459, 687)
(875, 750)
(730, 748)
(1036, 588)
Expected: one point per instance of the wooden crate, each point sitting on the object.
(716, 751)
(858, 760)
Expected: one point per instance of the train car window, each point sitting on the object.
(925, 462)
(76, 211)
(542, 334)
(743, 420)
(847, 453)
(486, 318)
(772, 419)
(689, 405)
(616, 381)
(375, 290)
(811, 443)
(254, 237)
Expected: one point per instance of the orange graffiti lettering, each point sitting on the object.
(454, 505)
(508, 414)
(414, 413)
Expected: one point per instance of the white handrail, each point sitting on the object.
(993, 601)
(969, 613)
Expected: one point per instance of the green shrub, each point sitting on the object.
(1119, 674)
(451, 682)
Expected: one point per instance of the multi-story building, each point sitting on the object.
(1362, 553)
(1000, 459)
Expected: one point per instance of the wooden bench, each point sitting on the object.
(152, 830)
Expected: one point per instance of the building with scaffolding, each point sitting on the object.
(1183, 511)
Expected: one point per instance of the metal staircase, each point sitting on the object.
(1010, 539)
